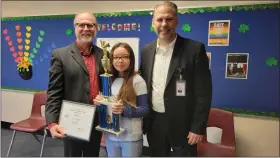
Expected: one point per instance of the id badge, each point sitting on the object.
(181, 88)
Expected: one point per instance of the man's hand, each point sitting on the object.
(57, 132)
(118, 107)
(194, 138)
(97, 98)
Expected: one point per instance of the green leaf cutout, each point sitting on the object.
(271, 62)
(35, 51)
(42, 32)
(37, 45)
(40, 39)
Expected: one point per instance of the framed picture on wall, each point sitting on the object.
(237, 65)
(218, 33)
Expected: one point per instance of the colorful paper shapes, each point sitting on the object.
(53, 45)
(32, 55)
(17, 27)
(35, 51)
(37, 45)
(69, 32)
(186, 28)
(27, 41)
(5, 31)
(40, 39)
(45, 56)
(271, 61)
(23, 53)
(28, 28)
(152, 28)
(49, 50)
(42, 32)
(243, 28)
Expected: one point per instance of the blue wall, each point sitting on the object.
(259, 92)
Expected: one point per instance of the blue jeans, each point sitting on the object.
(124, 148)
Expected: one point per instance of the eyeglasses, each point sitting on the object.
(89, 26)
(122, 58)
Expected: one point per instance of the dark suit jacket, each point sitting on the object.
(68, 79)
(190, 112)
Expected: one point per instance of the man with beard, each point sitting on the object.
(73, 76)
(179, 87)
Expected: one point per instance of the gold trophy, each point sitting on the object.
(108, 122)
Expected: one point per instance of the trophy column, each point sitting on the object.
(108, 122)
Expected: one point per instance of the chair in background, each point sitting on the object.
(224, 120)
(34, 123)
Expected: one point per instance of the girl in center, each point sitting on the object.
(132, 103)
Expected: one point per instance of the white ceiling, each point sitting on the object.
(33, 8)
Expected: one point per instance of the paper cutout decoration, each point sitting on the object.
(53, 45)
(69, 32)
(186, 27)
(243, 28)
(152, 28)
(126, 27)
(23, 53)
(271, 62)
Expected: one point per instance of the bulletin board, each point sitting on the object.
(242, 43)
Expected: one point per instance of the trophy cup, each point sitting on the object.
(108, 122)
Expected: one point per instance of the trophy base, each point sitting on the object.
(110, 131)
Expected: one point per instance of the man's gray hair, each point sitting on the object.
(74, 21)
(170, 4)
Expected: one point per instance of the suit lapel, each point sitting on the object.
(175, 59)
(150, 62)
(78, 57)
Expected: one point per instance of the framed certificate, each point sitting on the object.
(77, 119)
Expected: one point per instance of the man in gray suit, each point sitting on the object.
(179, 88)
(73, 76)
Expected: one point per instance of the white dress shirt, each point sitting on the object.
(161, 65)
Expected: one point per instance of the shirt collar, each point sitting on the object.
(172, 44)
(82, 50)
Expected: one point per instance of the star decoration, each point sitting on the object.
(152, 28)
(271, 61)
(68, 32)
(243, 28)
(186, 28)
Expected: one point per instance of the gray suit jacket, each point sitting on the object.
(185, 113)
(68, 79)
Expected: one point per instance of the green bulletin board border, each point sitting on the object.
(149, 12)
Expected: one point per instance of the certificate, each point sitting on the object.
(77, 119)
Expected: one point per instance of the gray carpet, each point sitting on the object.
(25, 145)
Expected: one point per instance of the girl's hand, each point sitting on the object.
(118, 107)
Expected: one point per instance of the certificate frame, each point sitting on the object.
(77, 119)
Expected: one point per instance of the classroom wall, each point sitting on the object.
(260, 135)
